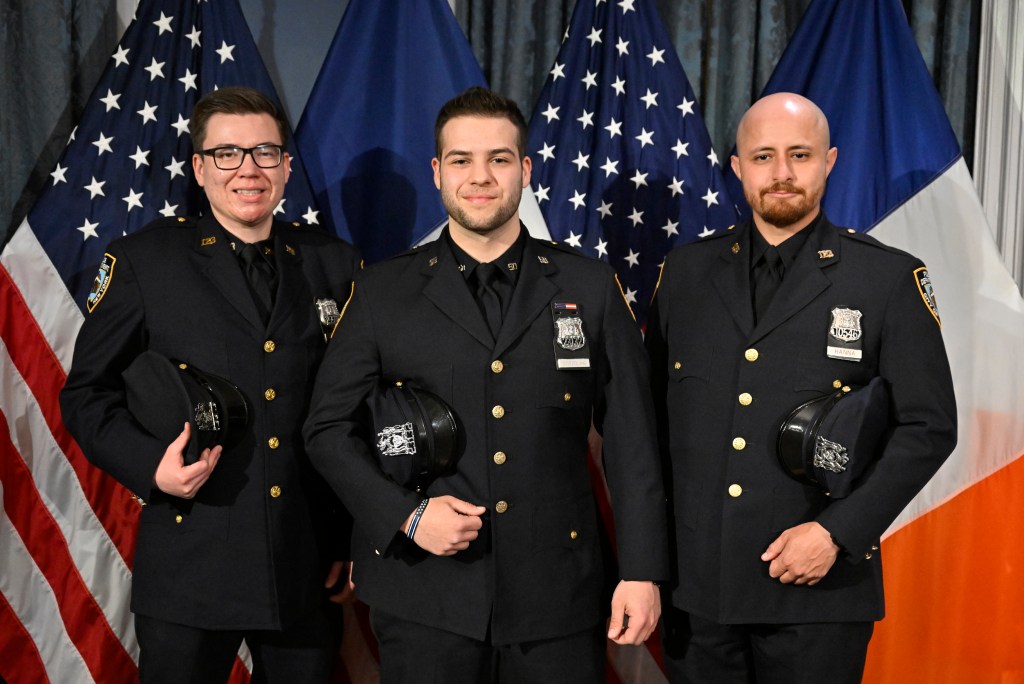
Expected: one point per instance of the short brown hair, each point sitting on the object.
(477, 101)
(234, 100)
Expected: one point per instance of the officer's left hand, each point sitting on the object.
(801, 555)
(341, 573)
(636, 607)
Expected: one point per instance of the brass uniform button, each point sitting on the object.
(867, 556)
(178, 519)
(499, 457)
(377, 551)
(182, 366)
(751, 355)
(275, 491)
(846, 388)
(497, 366)
(874, 548)
(746, 399)
(739, 444)
(735, 490)
(567, 397)
(273, 442)
(677, 365)
(573, 534)
(270, 394)
(269, 346)
(501, 506)
(498, 411)
(837, 383)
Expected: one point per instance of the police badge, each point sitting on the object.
(844, 335)
(327, 310)
(397, 440)
(570, 341)
(829, 455)
(206, 416)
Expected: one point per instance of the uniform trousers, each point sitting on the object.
(698, 651)
(411, 652)
(303, 653)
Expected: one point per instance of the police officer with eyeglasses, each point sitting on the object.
(237, 544)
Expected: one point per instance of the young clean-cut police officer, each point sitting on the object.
(227, 546)
(495, 571)
(778, 574)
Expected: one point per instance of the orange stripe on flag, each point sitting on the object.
(954, 591)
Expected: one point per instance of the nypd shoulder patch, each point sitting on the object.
(924, 286)
(102, 281)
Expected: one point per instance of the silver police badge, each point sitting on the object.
(207, 417)
(570, 333)
(845, 324)
(397, 440)
(844, 335)
(328, 312)
(829, 455)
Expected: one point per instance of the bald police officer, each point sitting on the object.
(776, 581)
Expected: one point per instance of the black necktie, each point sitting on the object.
(257, 272)
(487, 295)
(767, 278)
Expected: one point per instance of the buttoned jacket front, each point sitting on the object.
(724, 385)
(536, 570)
(242, 553)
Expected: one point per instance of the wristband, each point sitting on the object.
(416, 518)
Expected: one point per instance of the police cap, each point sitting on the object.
(415, 434)
(162, 394)
(829, 441)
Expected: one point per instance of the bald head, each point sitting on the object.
(784, 106)
(783, 158)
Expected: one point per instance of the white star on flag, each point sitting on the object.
(653, 153)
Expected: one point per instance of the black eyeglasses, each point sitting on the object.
(230, 158)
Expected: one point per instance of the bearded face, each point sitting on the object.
(783, 203)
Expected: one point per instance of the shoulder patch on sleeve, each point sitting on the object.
(102, 281)
(924, 286)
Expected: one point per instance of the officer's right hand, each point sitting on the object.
(177, 479)
(447, 525)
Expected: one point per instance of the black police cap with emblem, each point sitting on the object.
(162, 394)
(415, 434)
(830, 441)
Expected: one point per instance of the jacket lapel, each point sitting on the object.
(533, 292)
(218, 263)
(446, 289)
(290, 283)
(732, 281)
(804, 281)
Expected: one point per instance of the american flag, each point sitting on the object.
(623, 164)
(66, 529)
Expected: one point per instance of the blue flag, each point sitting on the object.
(367, 132)
(129, 160)
(859, 63)
(623, 164)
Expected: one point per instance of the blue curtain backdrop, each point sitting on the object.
(52, 52)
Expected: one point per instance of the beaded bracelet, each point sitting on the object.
(416, 518)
